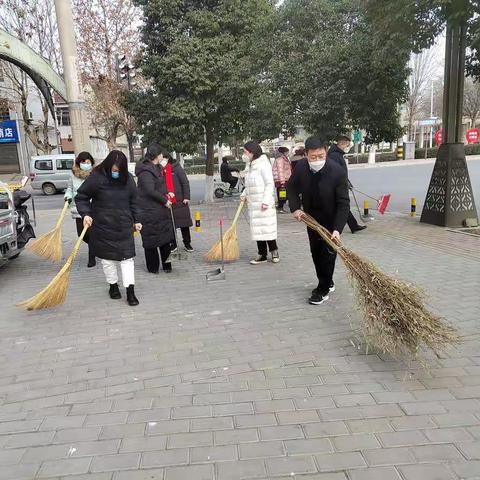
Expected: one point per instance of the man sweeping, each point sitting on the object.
(321, 187)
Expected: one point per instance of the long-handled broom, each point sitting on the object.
(396, 319)
(56, 291)
(49, 245)
(231, 250)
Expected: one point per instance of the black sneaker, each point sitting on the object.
(257, 261)
(114, 291)
(189, 248)
(330, 290)
(317, 298)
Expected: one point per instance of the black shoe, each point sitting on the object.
(331, 289)
(189, 248)
(359, 228)
(318, 298)
(132, 300)
(155, 272)
(167, 268)
(257, 261)
(91, 261)
(114, 291)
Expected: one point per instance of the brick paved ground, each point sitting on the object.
(241, 379)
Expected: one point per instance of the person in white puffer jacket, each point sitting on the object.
(259, 194)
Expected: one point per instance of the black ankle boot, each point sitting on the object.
(114, 291)
(132, 300)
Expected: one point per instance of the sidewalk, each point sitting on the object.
(238, 379)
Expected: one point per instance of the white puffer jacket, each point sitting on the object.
(259, 189)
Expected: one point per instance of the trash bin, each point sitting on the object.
(408, 150)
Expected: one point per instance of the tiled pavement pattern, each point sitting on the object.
(240, 379)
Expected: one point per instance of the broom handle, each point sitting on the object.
(76, 248)
(62, 215)
(365, 195)
(237, 215)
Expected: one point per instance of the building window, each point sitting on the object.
(63, 116)
(4, 110)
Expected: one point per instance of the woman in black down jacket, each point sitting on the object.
(179, 191)
(154, 209)
(107, 203)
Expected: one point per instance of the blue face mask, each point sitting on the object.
(86, 167)
(115, 175)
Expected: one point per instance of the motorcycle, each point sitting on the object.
(222, 189)
(15, 227)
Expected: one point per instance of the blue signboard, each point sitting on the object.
(8, 132)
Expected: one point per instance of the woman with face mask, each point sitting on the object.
(154, 208)
(259, 195)
(81, 169)
(107, 203)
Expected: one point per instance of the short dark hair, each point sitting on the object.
(283, 150)
(314, 143)
(343, 138)
(255, 148)
(118, 158)
(154, 150)
(82, 156)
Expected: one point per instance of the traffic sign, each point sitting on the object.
(473, 135)
(439, 136)
(357, 136)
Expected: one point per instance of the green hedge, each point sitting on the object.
(199, 169)
(379, 157)
(432, 152)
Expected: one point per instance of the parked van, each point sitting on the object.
(50, 173)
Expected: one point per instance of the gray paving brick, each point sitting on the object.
(19, 472)
(50, 452)
(310, 403)
(168, 426)
(88, 449)
(310, 446)
(354, 399)
(389, 456)
(217, 423)
(111, 463)
(413, 422)
(231, 437)
(58, 468)
(114, 418)
(240, 470)
(270, 406)
(150, 474)
(303, 416)
(143, 444)
(448, 435)
(133, 404)
(282, 432)
(426, 472)
(291, 465)
(436, 453)
(471, 450)
(196, 439)
(258, 420)
(402, 439)
(423, 408)
(20, 426)
(212, 398)
(334, 462)
(91, 408)
(213, 454)
(77, 434)
(165, 458)
(122, 431)
(11, 456)
(191, 412)
(328, 390)
(393, 397)
(29, 439)
(466, 470)
(437, 394)
(373, 425)
(197, 472)
(455, 420)
(350, 443)
(153, 415)
(376, 473)
(228, 409)
(325, 429)
(261, 450)
(251, 396)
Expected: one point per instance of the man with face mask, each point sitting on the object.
(320, 186)
(337, 154)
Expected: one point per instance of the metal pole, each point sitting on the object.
(76, 102)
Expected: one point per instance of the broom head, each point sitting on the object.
(231, 249)
(49, 245)
(53, 294)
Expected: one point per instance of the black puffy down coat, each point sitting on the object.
(151, 199)
(181, 184)
(112, 205)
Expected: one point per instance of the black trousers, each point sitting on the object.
(323, 259)
(152, 258)
(86, 238)
(280, 201)
(233, 182)
(186, 236)
(262, 247)
(352, 222)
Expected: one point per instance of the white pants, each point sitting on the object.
(128, 271)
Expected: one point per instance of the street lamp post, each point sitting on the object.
(75, 99)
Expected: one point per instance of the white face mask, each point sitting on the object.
(163, 162)
(317, 165)
(246, 158)
(347, 149)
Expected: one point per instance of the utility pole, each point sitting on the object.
(75, 99)
(431, 116)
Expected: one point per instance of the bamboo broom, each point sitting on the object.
(396, 319)
(49, 245)
(231, 249)
(56, 291)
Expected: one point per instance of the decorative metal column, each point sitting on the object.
(449, 200)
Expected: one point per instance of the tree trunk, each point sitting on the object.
(131, 153)
(180, 159)
(210, 165)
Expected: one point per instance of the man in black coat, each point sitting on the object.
(321, 187)
(337, 154)
(226, 174)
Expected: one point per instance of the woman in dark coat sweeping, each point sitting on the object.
(107, 203)
(179, 192)
(154, 209)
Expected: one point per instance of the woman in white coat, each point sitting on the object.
(260, 197)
